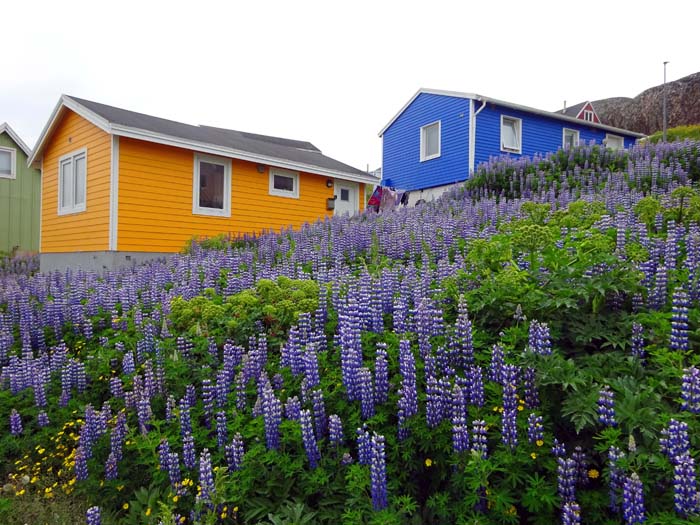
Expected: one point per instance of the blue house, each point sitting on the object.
(439, 137)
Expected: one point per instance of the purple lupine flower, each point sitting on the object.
(206, 478)
(309, 438)
(81, 467)
(633, 500)
(241, 382)
(509, 431)
(579, 456)
(185, 418)
(208, 399)
(566, 479)
(15, 423)
(558, 449)
(617, 477)
(571, 513)
(277, 382)
(496, 367)
(116, 388)
(679, 321)
(408, 395)
(539, 341)
(531, 395)
(320, 419)
(690, 390)
(434, 406)
(675, 441)
(42, 419)
(292, 408)
(189, 457)
(335, 430)
(164, 454)
(476, 386)
(606, 407)
(381, 375)
(310, 360)
(346, 459)
(378, 473)
(144, 413)
(638, 350)
(221, 430)
(93, 516)
(170, 406)
(363, 445)
(272, 415)
(111, 467)
(128, 366)
(479, 441)
(686, 497)
(463, 335)
(535, 430)
(364, 379)
(174, 470)
(234, 453)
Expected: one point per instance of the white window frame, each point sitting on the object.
(611, 135)
(588, 115)
(214, 212)
(423, 142)
(576, 133)
(518, 133)
(74, 208)
(13, 163)
(294, 175)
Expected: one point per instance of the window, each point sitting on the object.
(588, 115)
(511, 131)
(570, 139)
(614, 141)
(284, 183)
(430, 141)
(345, 195)
(72, 182)
(8, 162)
(212, 186)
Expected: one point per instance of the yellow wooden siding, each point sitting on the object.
(155, 199)
(87, 230)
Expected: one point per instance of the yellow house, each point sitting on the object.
(120, 186)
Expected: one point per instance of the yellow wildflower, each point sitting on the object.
(175, 498)
(533, 455)
(428, 462)
(125, 506)
(539, 442)
(593, 473)
(148, 511)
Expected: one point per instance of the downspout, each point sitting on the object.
(472, 133)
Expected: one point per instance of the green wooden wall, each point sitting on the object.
(20, 203)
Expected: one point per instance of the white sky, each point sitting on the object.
(326, 72)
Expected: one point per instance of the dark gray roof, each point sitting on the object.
(296, 151)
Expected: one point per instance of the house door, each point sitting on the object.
(346, 198)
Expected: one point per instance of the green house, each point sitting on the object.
(20, 195)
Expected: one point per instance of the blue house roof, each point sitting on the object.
(519, 107)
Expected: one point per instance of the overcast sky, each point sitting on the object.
(326, 72)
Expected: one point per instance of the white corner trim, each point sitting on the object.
(472, 134)
(114, 194)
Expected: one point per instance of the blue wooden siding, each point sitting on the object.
(540, 134)
(401, 165)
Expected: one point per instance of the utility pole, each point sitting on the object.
(664, 96)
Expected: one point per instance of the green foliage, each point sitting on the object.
(691, 132)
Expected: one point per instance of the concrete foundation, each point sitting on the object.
(430, 194)
(97, 261)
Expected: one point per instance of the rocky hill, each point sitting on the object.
(643, 113)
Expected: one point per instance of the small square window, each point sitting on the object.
(7, 163)
(430, 141)
(212, 186)
(570, 139)
(588, 115)
(72, 182)
(284, 183)
(345, 195)
(511, 131)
